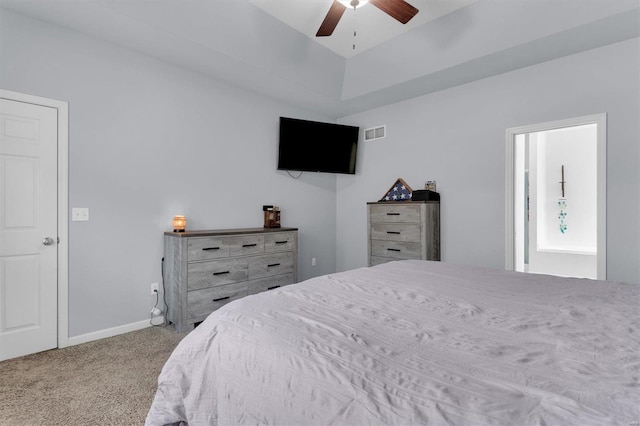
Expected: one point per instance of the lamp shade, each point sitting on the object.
(179, 223)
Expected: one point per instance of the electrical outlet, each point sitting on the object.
(313, 261)
(154, 288)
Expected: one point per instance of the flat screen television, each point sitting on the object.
(312, 146)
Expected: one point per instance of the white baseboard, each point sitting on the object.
(109, 332)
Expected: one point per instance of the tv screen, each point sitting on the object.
(312, 146)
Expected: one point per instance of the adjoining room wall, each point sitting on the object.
(570, 251)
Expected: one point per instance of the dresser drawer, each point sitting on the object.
(216, 273)
(394, 213)
(244, 245)
(201, 303)
(207, 248)
(374, 260)
(396, 249)
(269, 283)
(409, 232)
(285, 241)
(269, 265)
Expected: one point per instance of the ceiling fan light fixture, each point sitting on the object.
(400, 10)
(354, 4)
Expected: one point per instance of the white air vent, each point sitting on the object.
(375, 133)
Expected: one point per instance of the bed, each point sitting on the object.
(412, 343)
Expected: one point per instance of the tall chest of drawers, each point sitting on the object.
(204, 270)
(403, 230)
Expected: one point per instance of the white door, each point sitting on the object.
(28, 228)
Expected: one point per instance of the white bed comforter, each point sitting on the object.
(413, 343)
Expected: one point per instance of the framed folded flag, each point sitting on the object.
(399, 191)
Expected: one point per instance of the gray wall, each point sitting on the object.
(148, 140)
(457, 137)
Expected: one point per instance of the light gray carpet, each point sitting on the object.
(106, 382)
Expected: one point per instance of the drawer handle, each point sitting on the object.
(249, 245)
(210, 248)
(393, 214)
(282, 242)
(221, 298)
(390, 249)
(271, 288)
(393, 232)
(221, 273)
(272, 264)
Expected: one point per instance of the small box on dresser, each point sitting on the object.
(204, 270)
(403, 230)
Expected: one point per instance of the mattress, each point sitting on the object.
(412, 343)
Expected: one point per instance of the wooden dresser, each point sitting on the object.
(204, 270)
(403, 230)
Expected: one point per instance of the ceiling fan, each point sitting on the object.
(398, 9)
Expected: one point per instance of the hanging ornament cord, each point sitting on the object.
(354, 25)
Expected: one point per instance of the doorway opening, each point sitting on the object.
(556, 198)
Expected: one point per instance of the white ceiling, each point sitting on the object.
(238, 42)
(372, 25)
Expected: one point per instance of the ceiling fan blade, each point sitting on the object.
(331, 20)
(398, 9)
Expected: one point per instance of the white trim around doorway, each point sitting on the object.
(601, 121)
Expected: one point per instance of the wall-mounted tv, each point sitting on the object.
(312, 146)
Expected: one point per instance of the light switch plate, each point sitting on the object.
(79, 214)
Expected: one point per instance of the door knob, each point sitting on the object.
(47, 241)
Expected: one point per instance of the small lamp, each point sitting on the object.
(179, 223)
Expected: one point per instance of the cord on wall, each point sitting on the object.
(164, 300)
(295, 177)
(157, 311)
